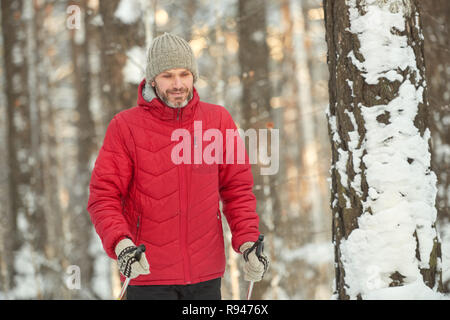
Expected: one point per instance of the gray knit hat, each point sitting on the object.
(169, 51)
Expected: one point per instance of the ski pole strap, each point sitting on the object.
(125, 260)
(258, 246)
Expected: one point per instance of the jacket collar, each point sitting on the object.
(162, 111)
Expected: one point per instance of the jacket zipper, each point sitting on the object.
(183, 216)
(137, 224)
(137, 229)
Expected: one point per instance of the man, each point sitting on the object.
(139, 194)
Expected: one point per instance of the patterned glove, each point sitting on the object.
(255, 267)
(129, 266)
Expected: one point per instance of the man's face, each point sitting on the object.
(174, 86)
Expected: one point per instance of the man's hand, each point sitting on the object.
(128, 265)
(255, 267)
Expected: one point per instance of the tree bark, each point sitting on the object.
(361, 106)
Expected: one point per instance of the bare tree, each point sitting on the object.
(85, 132)
(256, 111)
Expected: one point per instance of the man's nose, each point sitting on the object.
(177, 82)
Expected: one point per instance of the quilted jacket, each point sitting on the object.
(137, 191)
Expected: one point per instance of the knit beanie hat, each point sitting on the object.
(169, 51)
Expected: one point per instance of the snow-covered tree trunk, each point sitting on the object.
(383, 189)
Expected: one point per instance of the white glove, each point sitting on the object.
(254, 268)
(128, 265)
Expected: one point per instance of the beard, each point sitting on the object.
(164, 96)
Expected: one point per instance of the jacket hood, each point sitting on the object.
(147, 99)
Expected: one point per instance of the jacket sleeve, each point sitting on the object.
(110, 178)
(235, 187)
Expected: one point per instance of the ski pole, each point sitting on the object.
(259, 245)
(137, 256)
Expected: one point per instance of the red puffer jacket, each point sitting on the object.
(137, 191)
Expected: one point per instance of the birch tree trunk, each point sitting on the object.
(383, 189)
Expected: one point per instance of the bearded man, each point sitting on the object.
(139, 195)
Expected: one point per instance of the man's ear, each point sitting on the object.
(153, 84)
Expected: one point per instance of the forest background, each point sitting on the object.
(67, 67)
